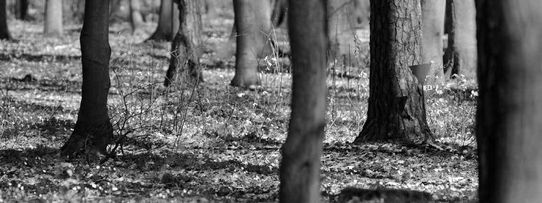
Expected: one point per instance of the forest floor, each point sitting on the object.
(210, 142)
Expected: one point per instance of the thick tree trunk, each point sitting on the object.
(460, 56)
(300, 166)
(168, 22)
(53, 18)
(93, 130)
(396, 101)
(186, 47)
(136, 19)
(343, 21)
(509, 117)
(433, 31)
(253, 25)
(21, 9)
(4, 31)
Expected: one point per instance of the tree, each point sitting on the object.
(168, 23)
(53, 18)
(509, 116)
(93, 130)
(460, 56)
(21, 9)
(396, 102)
(253, 25)
(300, 165)
(4, 31)
(186, 46)
(433, 31)
(136, 19)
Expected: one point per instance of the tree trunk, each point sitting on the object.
(186, 46)
(509, 117)
(433, 31)
(460, 56)
(21, 9)
(396, 101)
(53, 18)
(253, 25)
(342, 31)
(93, 130)
(300, 165)
(4, 31)
(136, 19)
(168, 22)
(278, 14)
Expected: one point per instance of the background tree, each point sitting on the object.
(4, 31)
(509, 116)
(21, 9)
(460, 56)
(433, 30)
(93, 130)
(186, 46)
(396, 103)
(300, 166)
(136, 18)
(168, 23)
(53, 18)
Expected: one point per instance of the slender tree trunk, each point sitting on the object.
(53, 18)
(300, 166)
(21, 9)
(341, 32)
(460, 56)
(396, 101)
(4, 31)
(509, 117)
(186, 46)
(136, 19)
(433, 31)
(93, 130)
(253, 25)
(168, 22)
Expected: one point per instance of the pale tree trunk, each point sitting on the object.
(4, 31)
(53, 18)
(396, 101)
(509, 117)
(168, 22)
(343, 20)
(93, 130)
(433, 30)
(253, 26)
(460, 56)
(186, 46)
(300, 165)
(21, 9)
(136, 19)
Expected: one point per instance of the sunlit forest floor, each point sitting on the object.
(211, 141)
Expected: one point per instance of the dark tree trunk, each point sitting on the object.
(509, 116)
(168, 22)
(460, 55)
(300, 165)
(433, 31)
(186, 47)
(253, 25)
(93, 130)
(21, 9)
(136, 19)
(4, 31)
(53, 18)
(396, 102)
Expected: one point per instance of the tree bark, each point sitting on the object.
(253, 25)
(4, 31)
(433, 31)
(21, 9)
(460, 56)
(53, 18)
(509, 116)
(93, 130)
(136, 19)
(396, 101)
(186, 47)
(168, 22)
(300, 165)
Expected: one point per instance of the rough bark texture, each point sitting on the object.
(460, 56)
(509, 117)
(53, 18)
(396, 102)
(136, 18)
(21, 9)
(168, 22)
(93, 130)
(345, 16)
(253, 25)
(300, 166)
(4, 31)
(186, 47)
(433, 30)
